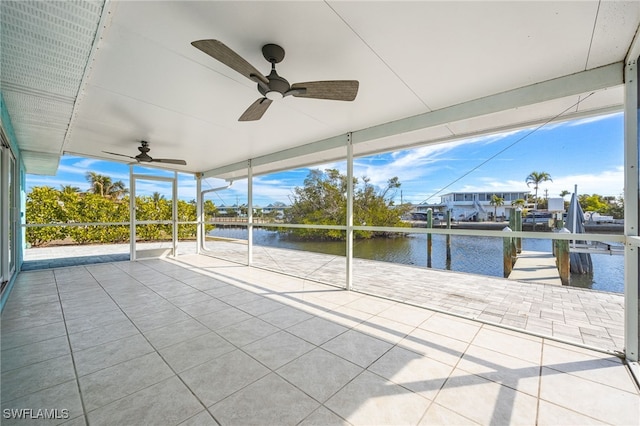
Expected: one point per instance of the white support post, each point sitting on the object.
(199, 214)
(174, 216)
(631, 209)
(249, 214)
(349, 283)
(4, 214)
(132, 215)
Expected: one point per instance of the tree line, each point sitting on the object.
(106, 201)
(322, 200)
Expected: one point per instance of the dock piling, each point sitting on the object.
(518, 227)
(448, 242)
(563, 258)
(507, 253)
(429, 239)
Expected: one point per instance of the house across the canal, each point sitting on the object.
(473, 206)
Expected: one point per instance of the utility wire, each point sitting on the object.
(506, 148)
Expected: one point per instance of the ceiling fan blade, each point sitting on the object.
(168, 161)
(256, 110)
(121, 155)
(218, 50)
(337, 90)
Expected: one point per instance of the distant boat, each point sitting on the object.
(595, 217)
(538, 217)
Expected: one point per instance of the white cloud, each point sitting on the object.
(593, 119)
(414, 164)
(85, 163)
(607, 182)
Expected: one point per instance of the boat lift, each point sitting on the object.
(596, 247)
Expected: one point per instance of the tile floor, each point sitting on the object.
(196, 341)
(583, 316)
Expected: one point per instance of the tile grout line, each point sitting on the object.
(71, 352)
(155, 350)
(444, 383)
(539, 397)
(542, 347)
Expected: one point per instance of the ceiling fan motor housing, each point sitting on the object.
(277, 85)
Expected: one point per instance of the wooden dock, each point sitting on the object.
(536, 267)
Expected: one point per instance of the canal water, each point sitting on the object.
(475, 255)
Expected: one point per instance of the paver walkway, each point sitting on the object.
(577, 315)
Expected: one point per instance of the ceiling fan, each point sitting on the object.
(272, 86)
(144, 157)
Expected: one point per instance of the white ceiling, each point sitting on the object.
(101, 79)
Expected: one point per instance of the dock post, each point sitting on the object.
(563, 258)
(507, 255)
(448, 242)
(518, 227)
(429, 239)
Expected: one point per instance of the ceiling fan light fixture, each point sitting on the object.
(274, 95)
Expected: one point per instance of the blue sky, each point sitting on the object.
(587, 153)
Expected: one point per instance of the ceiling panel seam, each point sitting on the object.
(103, 24)
(386, 64)
(593, 32)
(633, 53)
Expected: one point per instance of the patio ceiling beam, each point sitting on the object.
(571, 85)
(310, 148)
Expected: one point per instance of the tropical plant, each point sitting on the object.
(593, 203)
(322, 201)
(70, 189)
(105, 187)
(46, 205)
(616, 208)
(535, 179)
(43, 205)
(96, 208)
(564, 193)
(156, 197)
(518, 203)
(496, 202)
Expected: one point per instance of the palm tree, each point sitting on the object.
(69, 189)
(518, 203)
(156, 197)
(564, 193)
(105, 187)
(117, 190)
(98, 182)
(535, 178)
(496, 202)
